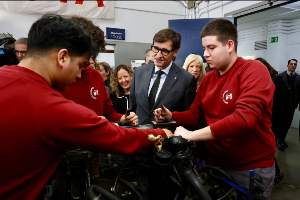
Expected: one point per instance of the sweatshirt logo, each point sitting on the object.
(226, 96)
(94, 93)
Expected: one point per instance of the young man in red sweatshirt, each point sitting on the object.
(90, 90)
(38, 124)
(236, 101)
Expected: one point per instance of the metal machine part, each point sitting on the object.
(171, 173)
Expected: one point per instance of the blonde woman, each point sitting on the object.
(194, 64)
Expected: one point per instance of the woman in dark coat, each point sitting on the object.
(278, 109)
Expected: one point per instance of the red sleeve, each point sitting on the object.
(108, 109)
(67, 125)
(253, 105)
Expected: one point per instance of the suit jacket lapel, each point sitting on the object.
(285, 79)
(169, 82)
(146, 78)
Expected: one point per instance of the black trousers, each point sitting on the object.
(277, 128)
(287, 124)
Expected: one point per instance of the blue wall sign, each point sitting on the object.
(115, 33)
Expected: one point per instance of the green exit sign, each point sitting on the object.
(273, 39)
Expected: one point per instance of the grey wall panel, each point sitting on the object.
(125, 51)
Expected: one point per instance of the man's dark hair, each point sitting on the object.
(53, 32)
(223, 29)
(293, 59)
(92, 30)
(168, 34)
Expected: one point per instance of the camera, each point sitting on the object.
(7, 55)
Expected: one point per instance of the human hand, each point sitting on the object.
(131, 119)
(162, 114)
(102, 117)
(168, 132)
(183, 132)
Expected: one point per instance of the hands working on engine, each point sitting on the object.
(131, 119)
(168, 132)
(162, 114)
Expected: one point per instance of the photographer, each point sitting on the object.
(39, 123)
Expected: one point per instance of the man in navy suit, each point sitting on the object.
(291, 79)
(162, 82)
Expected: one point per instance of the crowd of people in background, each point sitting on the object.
(189, 94)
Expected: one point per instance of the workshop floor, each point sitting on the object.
(289, 163)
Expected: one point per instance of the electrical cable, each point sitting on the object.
(132, 188)
(227, 176)
(177, 174)
(115, 184)
(228, 192)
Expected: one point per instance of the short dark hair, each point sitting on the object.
(52, 32)
(92, 30)
(168, 34)
(293, 59)
(224, 30)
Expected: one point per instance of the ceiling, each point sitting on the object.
(259, 19)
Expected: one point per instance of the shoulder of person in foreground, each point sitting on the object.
(141, 69)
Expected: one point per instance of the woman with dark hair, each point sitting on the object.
(121, 78)
(278, 109)
(104, 69)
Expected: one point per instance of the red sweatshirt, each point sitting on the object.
(90, 92)
(237, 106)
(38, 124)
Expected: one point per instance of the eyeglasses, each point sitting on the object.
(19, 52)
(164, 52)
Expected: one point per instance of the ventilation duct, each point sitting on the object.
(260, 45)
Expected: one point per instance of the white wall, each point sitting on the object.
(17, 24)
(293, 51)
(143, 19)
(140, 19)
(247, 39)
(216, 9)
(277, 54)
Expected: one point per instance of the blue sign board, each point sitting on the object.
(1, 52)
(115, 33)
